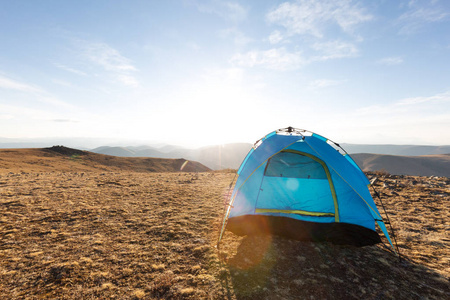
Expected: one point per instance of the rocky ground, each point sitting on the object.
(131, 235)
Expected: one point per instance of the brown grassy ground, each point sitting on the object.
(138, 235)
(110, 235)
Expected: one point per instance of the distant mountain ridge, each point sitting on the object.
(418, 160)
(215, 157)
(406, 150)
(424, 165)
(226, 156)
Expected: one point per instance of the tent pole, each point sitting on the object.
(389, 221)
(225, 206)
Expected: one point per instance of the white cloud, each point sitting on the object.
(306, 17)
(419, 120)
(26, 113)
(127, 80)
(227, 10)
(229, 76)
(390, 61)
(275, 37)
(49, 99)
(281, 59)
(313, 17)
(238, 37)
(62, 82)
(40, 122)
(420, 13)
(334, 49)
(10, 84)
(323, 83)
(417, 105)
(69, 69)
(36, 92)
(275, 59)
(234, 10)
(108, 58)
(439, 98)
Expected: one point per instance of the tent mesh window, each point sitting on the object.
(293, 165)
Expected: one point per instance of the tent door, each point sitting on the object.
(296, 183)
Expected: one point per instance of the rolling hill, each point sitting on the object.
(405, 150)
(421, 160)
(72, 160)
(425, 165)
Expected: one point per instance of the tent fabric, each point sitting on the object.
(301, 184)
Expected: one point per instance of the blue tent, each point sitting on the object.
(298, 184)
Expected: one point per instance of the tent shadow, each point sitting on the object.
(271, 267)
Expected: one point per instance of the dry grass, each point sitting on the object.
(130, 235)
(110, 235)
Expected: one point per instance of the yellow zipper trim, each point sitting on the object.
(298, 212)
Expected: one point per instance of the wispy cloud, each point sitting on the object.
(420, 119)
(52, 100)
(420, 13)
(228, 10)
(127, 79)
(281, 59)
(391, 61)
(439, 98)
(38, 121)
(420, 105)
(324, 83)
(238, 37)
(107, 57)
(38, 93)
(314, 17)
(275, 37)
(313, 20)
(334, 49)
(110, 60)
(23, 112)
(62, 82)
(69, 69)
(275, 59)
(10, 84)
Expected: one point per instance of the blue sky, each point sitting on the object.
(207, 72)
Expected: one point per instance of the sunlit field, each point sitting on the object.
(141, 235)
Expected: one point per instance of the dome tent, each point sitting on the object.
(298, 184)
